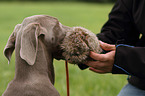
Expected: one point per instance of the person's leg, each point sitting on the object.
(130, 90)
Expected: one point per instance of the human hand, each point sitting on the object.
(104, 62)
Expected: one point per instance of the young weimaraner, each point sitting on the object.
(36, 42)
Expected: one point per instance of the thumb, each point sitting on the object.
(107, 47)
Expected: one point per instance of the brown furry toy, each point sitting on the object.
(78, 43)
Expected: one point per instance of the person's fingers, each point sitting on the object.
(96, 70)
(92, 63)
(99, 57)
(97, 64)
(107, 47)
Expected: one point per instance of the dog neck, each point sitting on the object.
(43, 67)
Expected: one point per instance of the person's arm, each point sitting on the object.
(120, 27)
(129, 60)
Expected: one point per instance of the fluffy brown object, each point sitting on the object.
(78, 43)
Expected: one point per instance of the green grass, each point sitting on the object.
(90, 16)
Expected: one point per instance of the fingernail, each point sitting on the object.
(91, 52)
(101, 42)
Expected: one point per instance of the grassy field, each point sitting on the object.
(91, 16)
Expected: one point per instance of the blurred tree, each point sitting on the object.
(102, 1)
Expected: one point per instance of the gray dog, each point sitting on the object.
(37, 40)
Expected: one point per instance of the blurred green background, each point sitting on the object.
(89, 15)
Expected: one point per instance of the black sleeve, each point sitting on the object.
(121, 26)
(130, 60)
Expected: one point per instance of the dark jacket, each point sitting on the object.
(126, 25)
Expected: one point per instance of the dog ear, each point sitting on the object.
(29, 42)
(10, 46)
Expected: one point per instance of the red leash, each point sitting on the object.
(67, 77)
